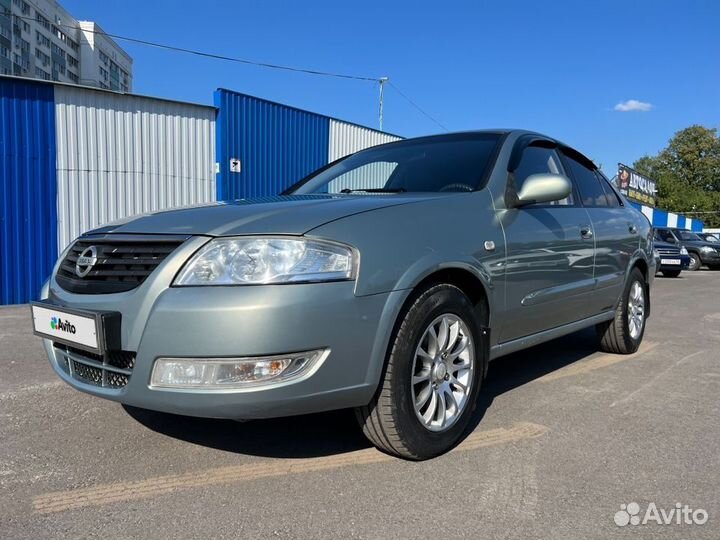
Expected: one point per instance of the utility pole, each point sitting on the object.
(382, 81)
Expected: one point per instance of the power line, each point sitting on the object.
(411, 102)
(217, 56)
(378, 80)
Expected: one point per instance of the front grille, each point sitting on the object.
(122, 264)
(112, 370)
(668, 251)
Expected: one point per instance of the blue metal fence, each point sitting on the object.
(661, 218)
(271, 146)
(28, 192)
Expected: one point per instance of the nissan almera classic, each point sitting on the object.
(384, 282)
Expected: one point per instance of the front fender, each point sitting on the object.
(418, 272)
(433, 263)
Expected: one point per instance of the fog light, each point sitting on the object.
(233, 373)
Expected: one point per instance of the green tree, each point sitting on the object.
(687, 173)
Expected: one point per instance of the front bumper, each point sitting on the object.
(710, 258)
(684, 263)
(163, 321)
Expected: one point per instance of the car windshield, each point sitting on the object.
(666, 235)
(684, 235)
(453, 163)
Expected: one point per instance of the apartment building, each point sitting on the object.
(39, 39)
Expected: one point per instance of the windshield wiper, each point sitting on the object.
(374, 190)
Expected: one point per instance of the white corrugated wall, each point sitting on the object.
(346, 138)
(119, 155)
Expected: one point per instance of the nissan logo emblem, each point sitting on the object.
(86, 261)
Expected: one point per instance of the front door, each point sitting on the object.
(549, 266)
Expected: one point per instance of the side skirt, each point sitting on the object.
(541, 337)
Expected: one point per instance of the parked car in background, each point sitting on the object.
(384, 282)
(709, 237)
(672, 258)
(700, 250)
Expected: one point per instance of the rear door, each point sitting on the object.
(549, 265)
(615, 232)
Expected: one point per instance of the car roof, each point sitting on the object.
(531, 136)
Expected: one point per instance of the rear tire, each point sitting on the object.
(671, 273)
(428, 390)
(625, 332)
(695, 262)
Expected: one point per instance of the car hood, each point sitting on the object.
(283, 214)
(699, 244)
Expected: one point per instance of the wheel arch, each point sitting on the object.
(458, 275)
(641, 264)
(469, 283)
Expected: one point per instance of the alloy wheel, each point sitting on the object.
(443, 372)
(636, 310)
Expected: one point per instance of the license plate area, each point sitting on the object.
(670, 261)
(93, 331)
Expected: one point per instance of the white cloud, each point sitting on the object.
(633, 105)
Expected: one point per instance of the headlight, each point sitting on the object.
(683, 251)
(263, 260)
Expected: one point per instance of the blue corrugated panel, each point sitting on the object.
(660, 218)
(681, 222)
(28, 201)
(697, 225)
(276, 145)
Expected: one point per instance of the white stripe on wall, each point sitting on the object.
(120, 155)
(672, 219)
(346, 139)
(648, 211)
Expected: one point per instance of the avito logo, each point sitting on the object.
(56, 323)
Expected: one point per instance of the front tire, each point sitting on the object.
(695, 262)
(432, 377)
(625, 332)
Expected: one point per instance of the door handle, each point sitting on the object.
(632, 228)
(586, 232)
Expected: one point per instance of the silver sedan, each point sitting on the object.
(384, 282)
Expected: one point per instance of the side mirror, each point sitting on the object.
(539, 188)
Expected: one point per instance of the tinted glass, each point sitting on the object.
(539, 160)
(455, 163)
(610, 195)
(591, 191)
(689, 236)
(666, 235)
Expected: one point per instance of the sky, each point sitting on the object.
(615, 79)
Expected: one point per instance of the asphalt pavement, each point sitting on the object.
(566, 438)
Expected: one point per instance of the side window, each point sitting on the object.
(591, 191)
(539, 160)
(610, 195)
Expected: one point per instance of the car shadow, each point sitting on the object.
(523, 367)
(337, 432)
